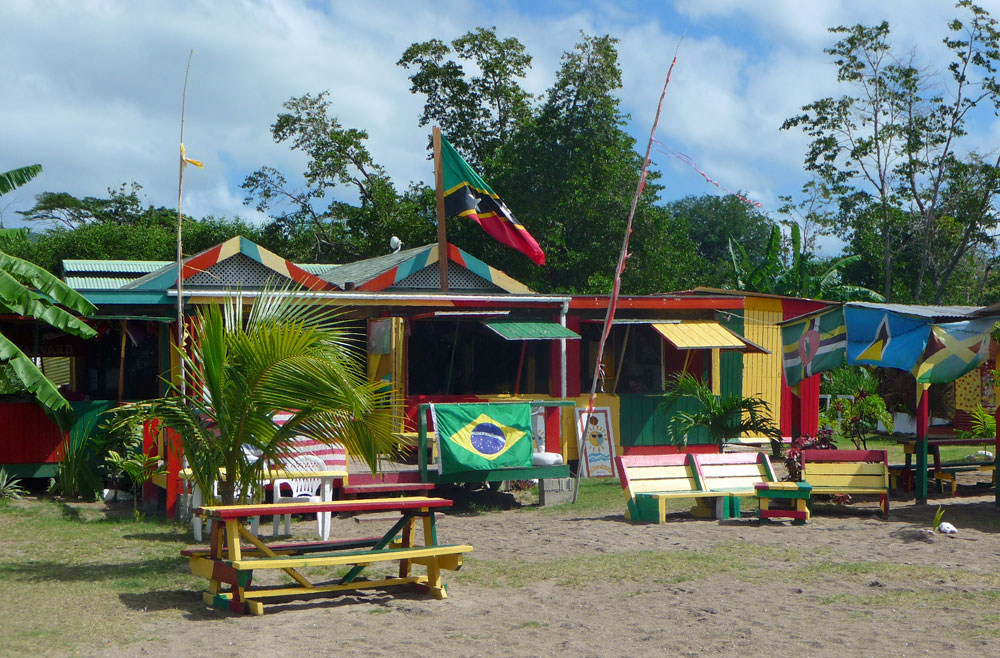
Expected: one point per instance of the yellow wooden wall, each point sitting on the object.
(762, 372)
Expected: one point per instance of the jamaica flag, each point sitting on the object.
(482, 437)
(467, 195)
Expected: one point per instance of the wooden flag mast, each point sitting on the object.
(442, 233)
(180, 225)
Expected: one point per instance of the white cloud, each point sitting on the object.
(94, 94)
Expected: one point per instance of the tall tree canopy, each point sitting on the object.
(338, 158)
(892, 150)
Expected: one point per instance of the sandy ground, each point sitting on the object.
(846, 584)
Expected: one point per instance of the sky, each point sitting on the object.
(92, 88)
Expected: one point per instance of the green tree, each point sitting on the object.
(886, 149)
(790, 270)
(123, 206)
(479, 113)
(338, 158)
(29, 291)
(715, 220)
(726, 418)
(283, 355)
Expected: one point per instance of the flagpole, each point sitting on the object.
(180, 221)
(616, 287)
(442, 232)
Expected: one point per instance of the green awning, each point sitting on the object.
(523, 330)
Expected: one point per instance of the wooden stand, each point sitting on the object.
(798, 492)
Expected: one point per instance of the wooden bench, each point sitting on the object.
(735, 474)
(229, 562)
(650, 480)
(848, 472)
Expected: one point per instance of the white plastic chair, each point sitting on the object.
(197, 498)
(303, 489)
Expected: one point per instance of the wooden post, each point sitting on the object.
(442, 232)
(121, 362)
(996, 461)
(923, 422)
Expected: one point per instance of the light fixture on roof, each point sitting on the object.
(395, 244)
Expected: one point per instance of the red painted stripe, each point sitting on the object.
(373, 505)
(201, 262)
(381, 282)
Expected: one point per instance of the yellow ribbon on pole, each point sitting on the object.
(187, 160)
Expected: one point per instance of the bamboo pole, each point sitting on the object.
(180, 222)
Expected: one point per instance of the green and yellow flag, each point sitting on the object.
(467, 196)
(816, 343)
(482, 437)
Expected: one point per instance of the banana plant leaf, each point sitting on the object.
(10, 180)
(54, 404)
(21, 270)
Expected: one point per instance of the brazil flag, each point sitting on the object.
(482, 437)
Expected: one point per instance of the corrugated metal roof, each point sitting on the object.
(921, 311)
(97, 282)
(525, 330)
(114, 266)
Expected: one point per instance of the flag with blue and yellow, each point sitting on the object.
(482, 437)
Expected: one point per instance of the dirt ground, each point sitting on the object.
(846, 584)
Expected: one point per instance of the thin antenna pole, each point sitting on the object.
(616, 288)
(180, 222)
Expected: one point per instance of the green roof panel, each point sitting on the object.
(530, 330)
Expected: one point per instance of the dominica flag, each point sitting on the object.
(815, 344)
(482, 437)
(467, 195)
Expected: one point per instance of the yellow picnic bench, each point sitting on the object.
(650, 480)
(848, 472)
(228, 562)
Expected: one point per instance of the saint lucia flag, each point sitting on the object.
(482, 437)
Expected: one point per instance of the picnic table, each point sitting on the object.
(327, 479)
(942, 471)
(236, 551)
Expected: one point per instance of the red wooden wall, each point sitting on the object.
(27, 435)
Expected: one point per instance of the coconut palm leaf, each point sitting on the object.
(11, 180)
(726, 418)
(281, 356)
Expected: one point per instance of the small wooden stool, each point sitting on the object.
(797, 491)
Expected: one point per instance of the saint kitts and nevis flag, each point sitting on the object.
(482, 437)
(466, 195)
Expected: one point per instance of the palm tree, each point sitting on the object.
(29, 291)
(725, 417)
(284, 355)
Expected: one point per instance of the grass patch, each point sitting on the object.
(56, 557)
(667, 567)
